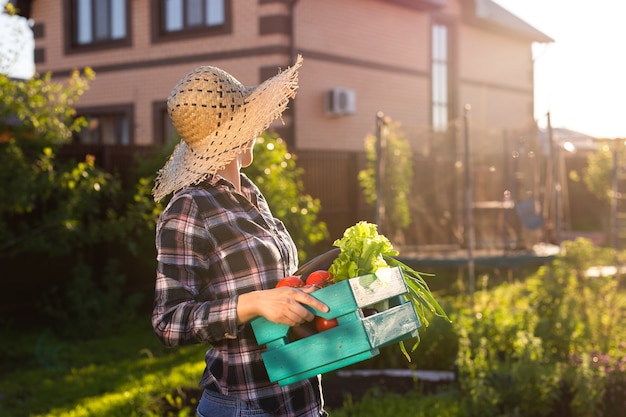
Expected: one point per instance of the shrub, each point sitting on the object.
(57, 217)
(614, 400)
(503, 368)
(89, 306)
(397, 175)
(577, 313)
(532, 348)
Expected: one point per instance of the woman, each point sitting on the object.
(220, 252)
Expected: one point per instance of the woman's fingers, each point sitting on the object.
(310, 300)
(287, 305)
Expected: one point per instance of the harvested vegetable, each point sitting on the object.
(361, 252)
(364, 251)
(320, 278)
(322, 324)
(292, 281)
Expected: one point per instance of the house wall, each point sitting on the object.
(378, 48)
(496, 80)
(145, 72)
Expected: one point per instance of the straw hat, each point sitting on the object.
(217, 117)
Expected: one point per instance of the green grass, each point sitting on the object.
(377, 404)
(127, 374)
(130, 374)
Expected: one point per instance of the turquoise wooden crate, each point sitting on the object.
(355, 339)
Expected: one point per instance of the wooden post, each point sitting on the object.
(469, 218)
(380, 171)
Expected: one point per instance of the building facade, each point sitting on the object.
(426, 64)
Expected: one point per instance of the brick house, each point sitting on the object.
(417, 61)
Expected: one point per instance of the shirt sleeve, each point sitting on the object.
(183, 313)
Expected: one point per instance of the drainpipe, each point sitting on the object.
(292, 40)
(293, 53)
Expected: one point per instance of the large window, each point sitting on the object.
(110, 126)
(98, 23)
(440, 75)
(176, 18)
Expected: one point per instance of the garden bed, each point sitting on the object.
(348, 385)
(354, 384)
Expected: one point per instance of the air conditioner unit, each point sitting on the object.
(340, 101)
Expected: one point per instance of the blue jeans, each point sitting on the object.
(213, 404)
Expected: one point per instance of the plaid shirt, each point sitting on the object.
(214, 244)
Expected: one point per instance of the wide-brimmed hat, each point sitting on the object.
(217, 117)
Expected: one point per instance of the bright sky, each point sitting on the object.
(581, 77)
(16, 46)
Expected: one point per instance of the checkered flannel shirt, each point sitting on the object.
(214, 244)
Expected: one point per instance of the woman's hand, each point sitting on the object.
(284, 305)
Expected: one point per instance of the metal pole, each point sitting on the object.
(380, 169)
(469, 223)
(507, 199)
(614, 200)
(554, 158)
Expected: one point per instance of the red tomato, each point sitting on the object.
(319, 278)
(322, 324)
(292, 281)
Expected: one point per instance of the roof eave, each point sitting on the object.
(422, 5)
(486, 14)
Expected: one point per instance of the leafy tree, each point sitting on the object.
(46, 206)
(275, 172)
(58, 218)
(53, 207)
(397, 178)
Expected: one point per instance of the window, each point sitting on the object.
(98, 23)
(185, 18)
(106, 127)
(440, 67)
(164, 130)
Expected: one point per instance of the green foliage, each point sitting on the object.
(379, 404)
(505, 360)
(438, 345)
(54, 210)
(529, 348)
(522, 383)
(123, 375)
(577, 313)
(597, 176)
(397, 178)
(503, 367)
(70, 211)
(362, 252)
(84, 299)
(40, 112)
(48, 207)
(275, 172)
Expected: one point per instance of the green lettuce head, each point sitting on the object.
(362, 251)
